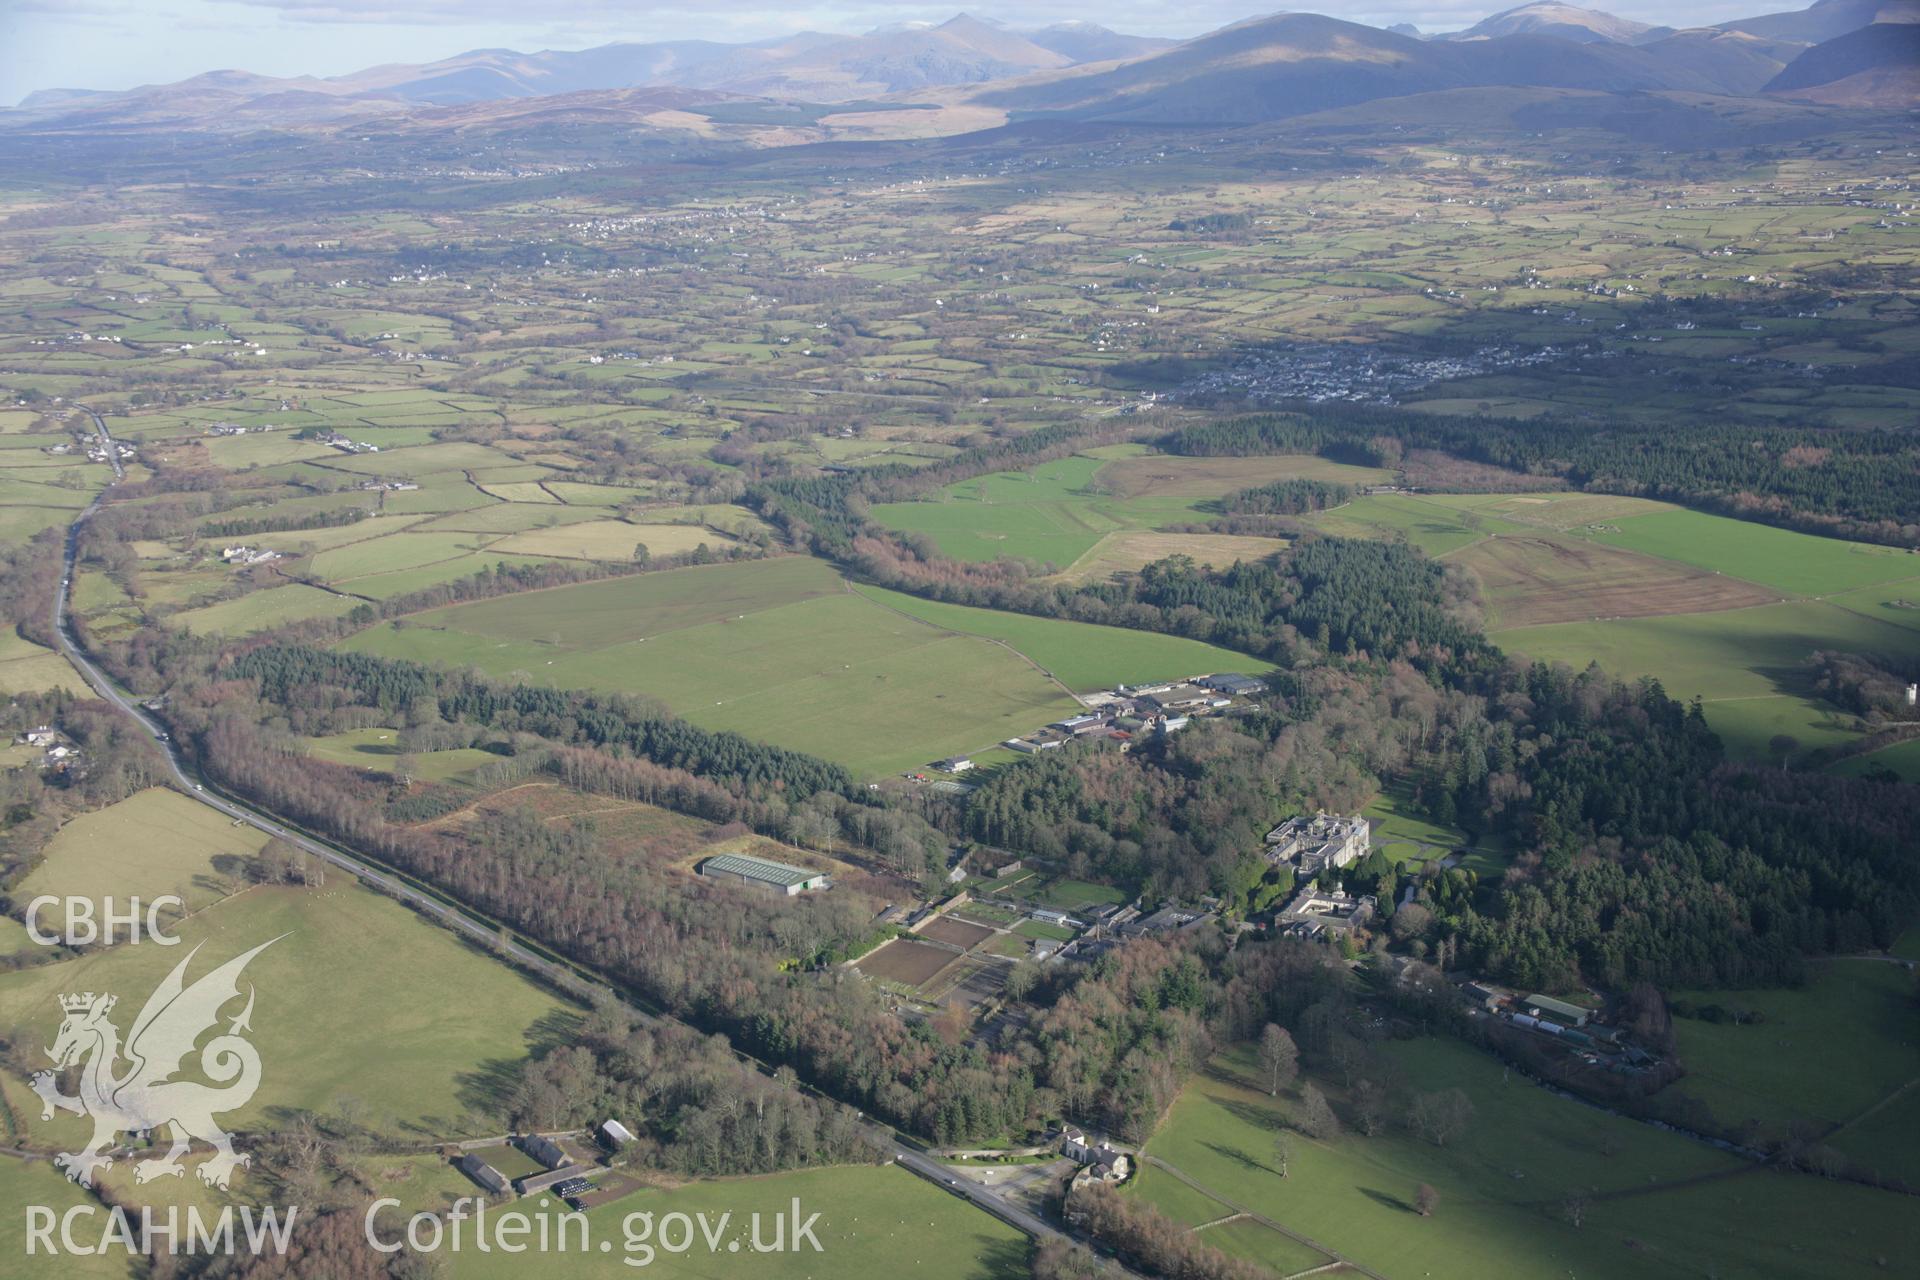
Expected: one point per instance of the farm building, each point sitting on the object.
(485, 1175)
(545, 1150)
(776, 877)
(1233, 683)
(615, 1134)
(1559, 1010)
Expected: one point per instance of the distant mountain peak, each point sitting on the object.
(1552, 18)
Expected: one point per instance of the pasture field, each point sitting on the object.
(613, 540)
(1081, 655)
(596, 614)
(26, 667)
(874, 1220)
(1790, 562)
(37, 1182)
(1124, 553)
(1746, 664)
(264, 610)
(1851, 1026)
(152, 843)
(1503, 1183)
(1060, 512)
(1436, 528)
(834, 674)
(1171, 476)
(353, 978)
(1902, 758)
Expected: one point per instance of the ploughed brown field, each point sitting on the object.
(956, 933)
(1528, 581)
(907, 962)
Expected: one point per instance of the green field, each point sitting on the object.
(1502, 1187)
(361, 1007)
(1745, 663)
(1080, 655)
(873, 1221)
(37, 1182)
(760, 648)
(377, 749)
(1433, 527)
(1405, 836)
(262, 610)
(152, 843)
(1902, 759)
(1053, 514)
(1796, 563)
(1852, 1028)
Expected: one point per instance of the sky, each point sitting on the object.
(117, 44)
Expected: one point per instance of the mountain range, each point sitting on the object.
(1839, 52)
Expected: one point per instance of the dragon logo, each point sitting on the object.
(141, 1096)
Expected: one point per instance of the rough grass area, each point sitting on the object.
(1535, 579)
(1123, 553)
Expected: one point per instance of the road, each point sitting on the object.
(106, 443)
(493, 936)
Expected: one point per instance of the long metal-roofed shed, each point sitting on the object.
(776, 877)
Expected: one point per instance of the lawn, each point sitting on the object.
(360, 1005)
(1081, 655)
(833, 674)
(154, 842)
(1404, 836)
(873, 1221)
(1502, 1186)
